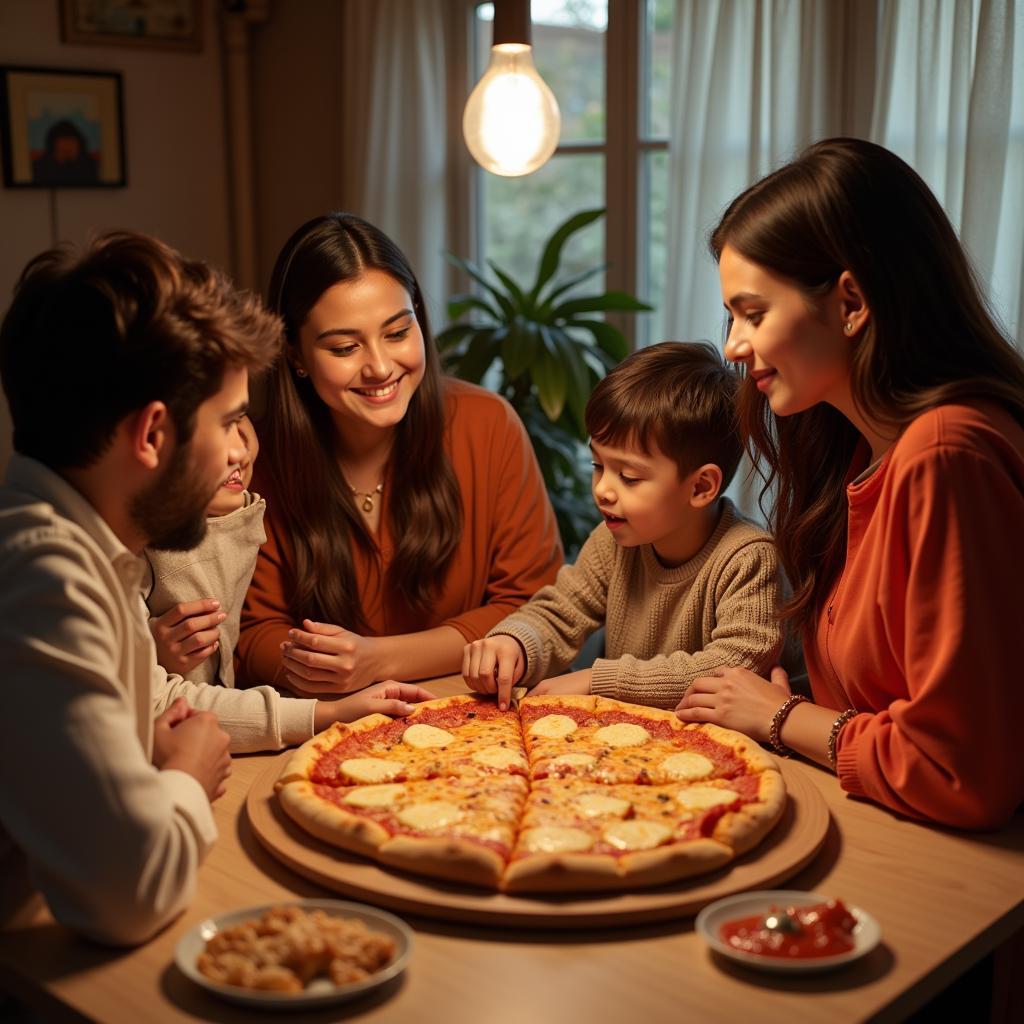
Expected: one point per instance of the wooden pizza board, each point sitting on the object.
(792, 844)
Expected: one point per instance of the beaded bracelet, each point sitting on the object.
(778, 718)
(833, 736)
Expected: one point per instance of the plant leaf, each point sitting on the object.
(563, 286)
(477, 359)
(578, 378)
(620, 301)
(503, 301)
(458, 305)
(451, 336)
(553, 250)
(549, 376)
(608, 338)
(516, 293)
(519, 349)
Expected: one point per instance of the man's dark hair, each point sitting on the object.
(90, 339)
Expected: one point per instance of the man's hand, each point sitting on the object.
(323, 658)
(193, 742)
(494, 665)
(395, 699)
(187, 634)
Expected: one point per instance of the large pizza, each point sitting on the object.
(564, 793)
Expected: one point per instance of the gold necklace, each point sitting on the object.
(368, 497)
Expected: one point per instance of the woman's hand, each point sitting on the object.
(573, 682)
(323, 658)
(187, 634)
(736, 698)
(390, 698)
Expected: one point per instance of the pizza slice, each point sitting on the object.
(609, 741)
(579, 835)
(456, 828)
(459, 736)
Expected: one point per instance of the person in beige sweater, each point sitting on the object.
(195, 597)
(681, 581)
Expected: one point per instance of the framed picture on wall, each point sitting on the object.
(61, 129)
(163, 24)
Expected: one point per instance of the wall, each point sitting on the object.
(297, 120)
(175, 150)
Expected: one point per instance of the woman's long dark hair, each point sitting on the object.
(320, 517)
(846, 204)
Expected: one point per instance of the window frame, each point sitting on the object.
(624, 150)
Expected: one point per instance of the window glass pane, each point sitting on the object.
(657, 69)
(651, 246)
(568, 49)
(520, 214)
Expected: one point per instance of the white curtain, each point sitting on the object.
(950, 100)
(940, 82)
(394, 82)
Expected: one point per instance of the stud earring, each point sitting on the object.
(848, 327)
(300, 372)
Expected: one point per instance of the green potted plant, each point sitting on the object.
(547, 351)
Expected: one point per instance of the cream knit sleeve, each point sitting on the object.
(741, 629)
(554, 624)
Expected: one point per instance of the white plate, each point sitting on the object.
(866, 934)
(320, 992)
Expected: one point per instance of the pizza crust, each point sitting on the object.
(581, 872)
(449, 857)
(742, 830)
(300, 765)
(332, 824)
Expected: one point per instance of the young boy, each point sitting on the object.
(682, 583)
(195, 597)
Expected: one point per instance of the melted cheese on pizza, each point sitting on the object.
(424, 737)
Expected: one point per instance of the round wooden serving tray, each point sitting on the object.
(789, 846)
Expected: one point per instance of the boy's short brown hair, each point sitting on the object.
(89, 340)
(678, 396)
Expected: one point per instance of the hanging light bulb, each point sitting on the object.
(511, 124)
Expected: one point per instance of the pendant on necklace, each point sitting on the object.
(368, 497)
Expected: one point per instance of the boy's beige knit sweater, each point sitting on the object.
(663, 627)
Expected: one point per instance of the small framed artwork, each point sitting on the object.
(162, 24)
(61, 129)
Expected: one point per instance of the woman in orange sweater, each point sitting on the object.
(406, 513)
(888, 410)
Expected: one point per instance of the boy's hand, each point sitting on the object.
(322, 657)
(573, 682)
(193, 741)
(187, 634)
(494, 665)
(395, 699)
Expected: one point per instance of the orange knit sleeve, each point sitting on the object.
(518, 535)
(947, 748)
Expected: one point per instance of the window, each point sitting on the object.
(608, 63)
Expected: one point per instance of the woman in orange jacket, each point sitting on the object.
(886, 409)
(406, 513)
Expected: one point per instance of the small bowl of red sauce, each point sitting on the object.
(819, 933)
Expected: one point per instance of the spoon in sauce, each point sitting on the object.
(782, 922)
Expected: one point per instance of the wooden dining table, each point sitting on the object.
(944, 900)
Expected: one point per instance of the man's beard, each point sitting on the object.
(171, 511)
